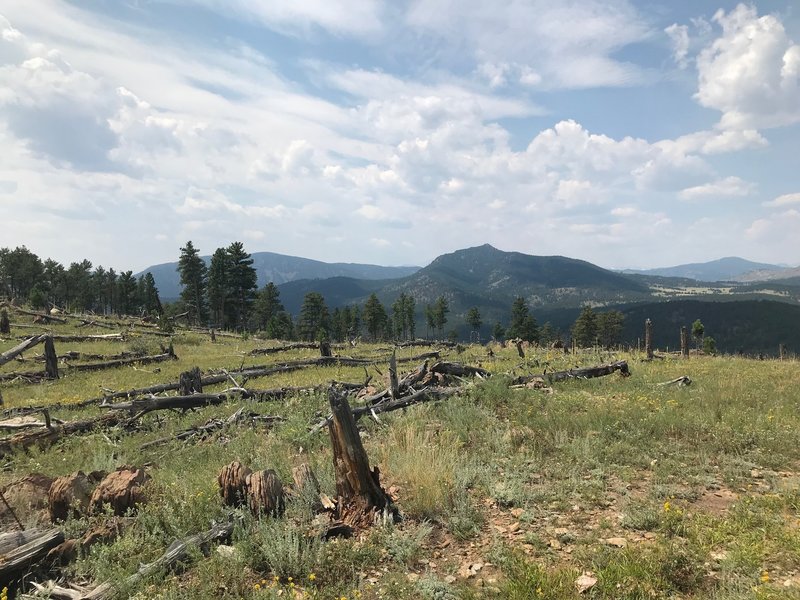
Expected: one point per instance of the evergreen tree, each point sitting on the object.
(280, 326)
(217, 286)
(375, 318)
(267, 305)
(403, 316)
(609, 328)
(126, 290)
(440, 311)
(79, 285)
(473, 318)
(242, 283)
(698, 330)
(151, 303)
(314, 321)
(584, 330)
(193, 274)
(498, 331)
(547, 334)
(523, 324)
(430, 320)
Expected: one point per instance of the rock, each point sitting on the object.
(617, 542)
(69, 495)
(226, 551)
(756, 474)
(27, 497)
(554, 544)
(122, 490)
(517, 512)
(450, 579)
(232, 481)
(103, 533)
(513, 528)
(585, 582)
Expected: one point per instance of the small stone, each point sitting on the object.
(617, 542)
(517, 512)
(450, 579)
(554, 544)
(756, 474)
(226, 551)
(649, 535)
(413, 577)
(513, 528)
(585, 582)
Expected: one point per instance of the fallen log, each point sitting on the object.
(102, 337)
(285, 348)
(120, 362)
(143, 406)
(213, 425)
(458, 369)
(21, 549)
(178, 552)
(30, 342)
(681, 381)
(45, 436)
(93, 323)
(44, 316)
(582, 373)
(422, 343)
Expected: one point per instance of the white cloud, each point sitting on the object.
(723, 188)
(679, 36)
(784, 200)
(751, 73)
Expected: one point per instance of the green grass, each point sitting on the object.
(594, 460)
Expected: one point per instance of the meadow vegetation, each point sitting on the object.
(649, 491)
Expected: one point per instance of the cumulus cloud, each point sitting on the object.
(784, 200)
(751, 73)
(679, 36)
(723, 188)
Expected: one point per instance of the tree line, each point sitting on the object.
(80, 287)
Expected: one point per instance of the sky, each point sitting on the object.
(623, 132)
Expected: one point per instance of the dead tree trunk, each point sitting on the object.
(648, 339)
(5, 325)
(394, 384)
(325, 349)
(191, 382)
(684, 342)
(361, 500)
(9, 355)
(50, 359)
(24, 548)
(781, 351)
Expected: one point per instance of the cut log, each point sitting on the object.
(121, 490)
(265, 493)
(191, 382)
(45, 436)
(25, 498)
(21, 549)
(30, 342)
(361, 499)
(232, 481)
(143, 406)
(46, 318)
(325, 349)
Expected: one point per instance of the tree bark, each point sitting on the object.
(648, 339)
(20, 549)
(5, 325)
(50, 359)
(684, 342)
(9, 355)
(361, 500)
(585, 373)
(191, 382)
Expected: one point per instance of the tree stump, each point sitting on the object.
(361, 500)
(26, 498)
(5, 325)
(232, 481)
(191, 382)
(394, 384)
(648, 339)
(265, 493)
(325, 349)
(69, 494)
(122, 490)
(684, 342)
(50, 358)
(306, 486)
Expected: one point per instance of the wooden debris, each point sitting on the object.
(5, 325)
(121, 490)
(69, 495)
(681, 381)
(25, 498)
(232, 480)
(143, 406)
(583, 373)
(361, 500)
(212, 425)
(120, 362)
(47, 435)
(30, 342)
(191, 382)
(20, 549)
(265, 493)
(50, 359)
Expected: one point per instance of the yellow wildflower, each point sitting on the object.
(257, 587)
(667, 506)
(764, 577)
(311, 577)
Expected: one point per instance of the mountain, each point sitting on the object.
(776, 275)
(485, 277)
(280, 268)
(723, 269)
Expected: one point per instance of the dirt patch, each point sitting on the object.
(716, 502)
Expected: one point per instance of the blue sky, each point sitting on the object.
(626, 133)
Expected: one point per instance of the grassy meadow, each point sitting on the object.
(635, 489)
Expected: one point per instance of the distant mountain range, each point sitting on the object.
(280, 268)
(731, 268)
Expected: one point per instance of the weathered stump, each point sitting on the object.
(69, 495)
(265, 493)
(50, 359)
(648, 338)
(325, 349)
(26, 497)
(122, 490)
(5, 324)
(684, 342)
(191, 382)
(394, 384)
(361, 500)
(232, 481)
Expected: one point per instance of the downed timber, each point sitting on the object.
(30, 342)
(213, 425)
(285, 348)
(47, 435)
(100, 337)
(426, 343)
(20, 549)
(143, 406)
(681, 381)
(583, 373)
(26, 376)
(44, 316)
(178, 552)
(94, 323)
(119, 362)
(458, 369)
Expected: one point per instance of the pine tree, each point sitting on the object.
(314, 321)
(473, 318)
(584, 330)
(440, 311)
(403, 316)
(698, 330)
(150, 300)
(609, 327)
(375, 318)
(266, 306)
(217, 287)
(126, 291)
(523, 324)
(194, 273)
(242, 283)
